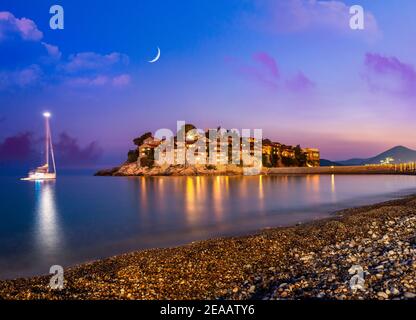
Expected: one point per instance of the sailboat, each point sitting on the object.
(44, 172)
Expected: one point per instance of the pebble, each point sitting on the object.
(383, 295)
(409, 295)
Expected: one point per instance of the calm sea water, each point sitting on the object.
(80, 218)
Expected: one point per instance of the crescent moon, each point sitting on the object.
(157, 56)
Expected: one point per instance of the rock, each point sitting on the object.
(132, 169)
(409, 295)
(107, 172)
(383, 295)
(394, 291)
(331, 277)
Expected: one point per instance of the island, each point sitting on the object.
(213, 152)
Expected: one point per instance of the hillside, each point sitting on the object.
(328, 163)
(400, 154)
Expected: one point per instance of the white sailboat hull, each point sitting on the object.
(40, 176)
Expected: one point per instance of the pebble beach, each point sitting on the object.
(309, 261)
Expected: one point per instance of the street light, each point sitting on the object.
(47, 114)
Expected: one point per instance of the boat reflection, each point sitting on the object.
(333, 189)
(48, 233)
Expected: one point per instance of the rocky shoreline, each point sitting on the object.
(305, 261)
(131, 169)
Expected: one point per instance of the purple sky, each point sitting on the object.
(293, 68)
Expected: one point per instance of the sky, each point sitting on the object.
(293, 68)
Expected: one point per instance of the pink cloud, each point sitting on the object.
(267, 61)
(90, 69)
(25, 28)
(257, 75)
(100, 81)
(20, 78)
(96, 81)
(28, 76)
(390, 74)
(293, 16)
(84, 69)
(17, 148)
(299, 82)
(53, 51)
(21, 148)
(69, 152)
(264, 70)
(94, 61)
(121, 80)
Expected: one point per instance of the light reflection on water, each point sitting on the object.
(48, 233)
(333, 189)
(80, 218)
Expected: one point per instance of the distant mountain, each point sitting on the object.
(400, 154)
(352, 162)
(328, 163)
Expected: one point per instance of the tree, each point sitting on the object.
(300, 156)
(189, 127)
(288, 162)
(139, 141)
(132, 156)
(151, 154)
(266, 161)
(146, 162)
(274, 158)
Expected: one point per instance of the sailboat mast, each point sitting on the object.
(47, 140)
(52, 154)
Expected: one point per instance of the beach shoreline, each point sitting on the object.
(304, 261)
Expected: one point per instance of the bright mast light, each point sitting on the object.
(47, 114)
